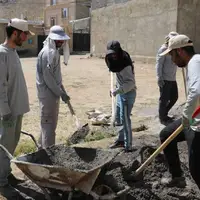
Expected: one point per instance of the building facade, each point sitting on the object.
(141, 26)
(64, 13)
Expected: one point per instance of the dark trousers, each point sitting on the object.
(171, 151)
(168, 97)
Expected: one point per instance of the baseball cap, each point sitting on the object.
(58, 33)
(171, 34)
(177, 42)
(20, 24)
(113, 46)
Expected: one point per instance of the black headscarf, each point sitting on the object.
(122, 57)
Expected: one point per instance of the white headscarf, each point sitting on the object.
(57, 33)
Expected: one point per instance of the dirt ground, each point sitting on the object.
(87, 81)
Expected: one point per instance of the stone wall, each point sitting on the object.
(140, 26)
(104, 3)
(32, 9)
(2, 32)
(188, 20)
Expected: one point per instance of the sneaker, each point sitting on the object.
(13, 181)
(128, 150)
(175, 182)
(117, 144)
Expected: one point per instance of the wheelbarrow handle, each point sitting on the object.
(32, 137)
(6, 152)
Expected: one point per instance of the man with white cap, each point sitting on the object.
(14, 101)
(166, 75)
(183, 55)
(49, 83)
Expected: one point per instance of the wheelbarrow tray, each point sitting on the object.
(65, 168)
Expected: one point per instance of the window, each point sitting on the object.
(53, 2)
(53, 21)
(64, 12)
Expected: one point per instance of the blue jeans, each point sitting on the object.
(124, 107)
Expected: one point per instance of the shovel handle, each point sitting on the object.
(113, 98)
(70, 108)
(164, 144)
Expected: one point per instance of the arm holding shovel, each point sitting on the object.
(64, 94)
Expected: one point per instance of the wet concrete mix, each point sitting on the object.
(119, 173)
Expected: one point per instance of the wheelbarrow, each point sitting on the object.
(53, 168)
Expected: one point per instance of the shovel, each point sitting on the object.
(116, 128)
(78, 125)
(81, 132)
(163, 146)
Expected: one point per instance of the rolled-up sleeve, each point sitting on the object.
(4, 104)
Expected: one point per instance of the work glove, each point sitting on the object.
(7, 117)
(113, 93)
(185, 122)
(65, 97)
(7, 121)
(161, 83)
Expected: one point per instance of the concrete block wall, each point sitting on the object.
(140, 26)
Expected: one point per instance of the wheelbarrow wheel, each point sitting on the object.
(103, 192)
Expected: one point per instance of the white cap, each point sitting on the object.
(58, 33)
(177, 42)
(20, 24)
(170, 35)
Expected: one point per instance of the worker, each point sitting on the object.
(183, 55)
(166, 79)
(119, 62)
(49, 83)
(14, 100)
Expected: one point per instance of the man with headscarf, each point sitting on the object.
(14, 100)
(49, 83)
(119, 62)
(166, 75)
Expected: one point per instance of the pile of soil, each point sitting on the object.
(176, 111)
(119, 173)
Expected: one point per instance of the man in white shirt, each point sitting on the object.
(14, 101)
(49, 83)
(166, 76)
(183, 55)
